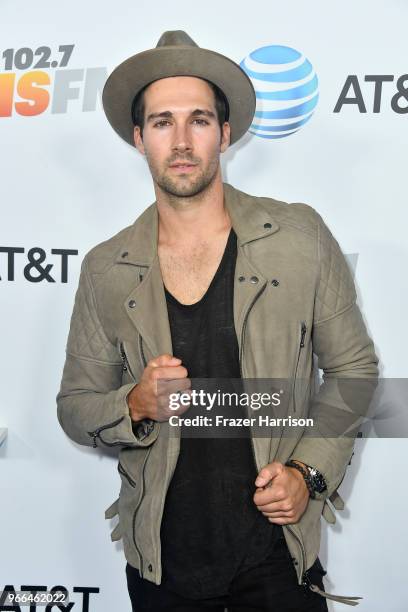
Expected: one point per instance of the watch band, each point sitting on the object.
(305, 474)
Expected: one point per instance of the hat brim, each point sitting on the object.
(143, 68)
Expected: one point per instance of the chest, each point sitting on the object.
(188, 271)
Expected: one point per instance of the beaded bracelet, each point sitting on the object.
(305, 474)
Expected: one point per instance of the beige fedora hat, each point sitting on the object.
(176, 54)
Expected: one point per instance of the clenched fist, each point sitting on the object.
(281, 495)
(162, 376)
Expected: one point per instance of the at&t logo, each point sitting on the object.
(286, 89)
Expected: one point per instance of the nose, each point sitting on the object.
(182, 141)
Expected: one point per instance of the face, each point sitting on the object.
(182, 139)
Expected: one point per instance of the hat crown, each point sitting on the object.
(176, 54)
(175, 38)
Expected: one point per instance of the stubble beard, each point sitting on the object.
(184, 186)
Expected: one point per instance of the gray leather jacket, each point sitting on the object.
(297, 299)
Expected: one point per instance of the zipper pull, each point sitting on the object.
(349, 600)
(344, 599)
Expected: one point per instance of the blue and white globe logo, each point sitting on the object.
(286, 89)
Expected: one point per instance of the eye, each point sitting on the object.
(160, 123)
(201, 121)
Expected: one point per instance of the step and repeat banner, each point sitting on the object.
(331, 130)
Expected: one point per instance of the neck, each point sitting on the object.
(187, 220)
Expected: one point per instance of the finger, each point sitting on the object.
(269, 495)
(169, 372)
(288, 515)
(282, 505)
(268, 473)
(164, 360)
(274, 509)
(282, 521)
(179, 385)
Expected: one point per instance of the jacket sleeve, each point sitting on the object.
(346, 355)
(92, 405)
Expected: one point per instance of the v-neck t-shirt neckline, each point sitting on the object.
(218, 273)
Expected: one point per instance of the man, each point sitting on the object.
(210, 282)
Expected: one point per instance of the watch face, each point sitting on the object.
(318, 481)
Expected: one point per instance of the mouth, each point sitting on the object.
(183, 167)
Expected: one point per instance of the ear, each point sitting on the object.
(138, 140)
(225, 136)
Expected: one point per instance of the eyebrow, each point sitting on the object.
(169, 114)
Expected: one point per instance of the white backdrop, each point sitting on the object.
(69, 182)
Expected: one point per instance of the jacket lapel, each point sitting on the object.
(251, 222)
(149, 315)
(149, 309)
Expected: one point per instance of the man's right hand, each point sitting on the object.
(150, 398)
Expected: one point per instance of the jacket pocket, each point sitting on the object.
(131, 466)
(127, 372)
(132, 469)
(125, 474)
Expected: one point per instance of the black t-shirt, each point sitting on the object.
(210, 524)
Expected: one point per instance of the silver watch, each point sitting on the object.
(316, 479)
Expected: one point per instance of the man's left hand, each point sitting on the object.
(281, 495)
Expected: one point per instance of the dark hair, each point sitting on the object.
(221, 106)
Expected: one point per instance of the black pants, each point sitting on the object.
(269, 587)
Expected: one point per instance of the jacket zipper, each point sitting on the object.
(96, 433)
(301, 345)
(241, 353)
(144, 362)
(125, 361)
(142, 355)
(244, 326)
(127, 366)
(137, 508)
(142, 351)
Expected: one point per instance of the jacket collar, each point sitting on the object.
(251, 220)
